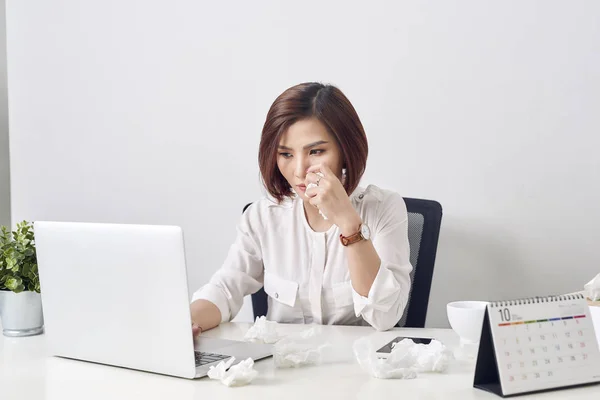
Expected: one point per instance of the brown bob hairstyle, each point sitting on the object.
(333, 109)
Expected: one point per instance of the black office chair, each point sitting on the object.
(424, 221)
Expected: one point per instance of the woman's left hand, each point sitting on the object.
(330, 197)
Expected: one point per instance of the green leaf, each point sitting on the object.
(14, 283)
(18, 260)
(26, 270)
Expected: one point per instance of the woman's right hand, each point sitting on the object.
(205, 315)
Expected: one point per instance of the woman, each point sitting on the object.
(326, 251)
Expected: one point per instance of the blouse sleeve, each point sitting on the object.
(384, 305)
(242, 272)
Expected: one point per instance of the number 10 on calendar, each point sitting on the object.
(504, 314)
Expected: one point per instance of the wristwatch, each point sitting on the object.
(364, 233)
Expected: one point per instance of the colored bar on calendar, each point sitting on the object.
(518, 323)
(542, 320)
(531, 322)
(554, 319)
(567, 317)
(505, 324)
(579, 316)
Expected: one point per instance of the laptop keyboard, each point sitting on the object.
(203, 358)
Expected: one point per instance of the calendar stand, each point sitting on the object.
(486, 371)
(536, 345)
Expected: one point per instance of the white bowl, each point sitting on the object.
(466, 319)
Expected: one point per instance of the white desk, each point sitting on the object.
(26, 372)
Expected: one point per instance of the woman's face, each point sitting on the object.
(307, 143)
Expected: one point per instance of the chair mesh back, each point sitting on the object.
(415, 233)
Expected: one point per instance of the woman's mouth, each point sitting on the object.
(302, 188)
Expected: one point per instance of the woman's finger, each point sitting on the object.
(315, 201)
(312, 177)
(312, 190)
(323, 168)
(196, 330)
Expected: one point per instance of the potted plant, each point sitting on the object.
(20, 300)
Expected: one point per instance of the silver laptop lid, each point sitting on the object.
(116, 294)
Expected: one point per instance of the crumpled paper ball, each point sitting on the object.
(263, 331)
(592, 289)
(301, 349)
(238, 375)
(290, 351)
(405, 361)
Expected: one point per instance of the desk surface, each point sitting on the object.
(26, 372)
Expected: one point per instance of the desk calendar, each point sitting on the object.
(537, 344)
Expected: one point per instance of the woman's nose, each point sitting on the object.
(301, 167)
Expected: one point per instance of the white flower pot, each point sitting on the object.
(21, 313)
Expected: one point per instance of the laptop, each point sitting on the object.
(117, 294)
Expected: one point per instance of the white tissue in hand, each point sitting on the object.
(405, 360)
(312, 185)
(239, 375)
(298, 350)
(592, 289)
(262, 331)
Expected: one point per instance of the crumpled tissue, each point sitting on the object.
(405, 361)
(297, 350)
(263, 331)
(312, 185)
(238, 375)
(294, 350)
(592, 289)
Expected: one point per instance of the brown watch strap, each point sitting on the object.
(348, 240)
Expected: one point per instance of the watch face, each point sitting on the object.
(365, 232)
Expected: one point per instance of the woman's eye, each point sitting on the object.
(316, 152)
(285, 155)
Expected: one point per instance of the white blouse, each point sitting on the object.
(305, 273)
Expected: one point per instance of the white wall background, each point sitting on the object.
(151, 111)
(4, 154)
